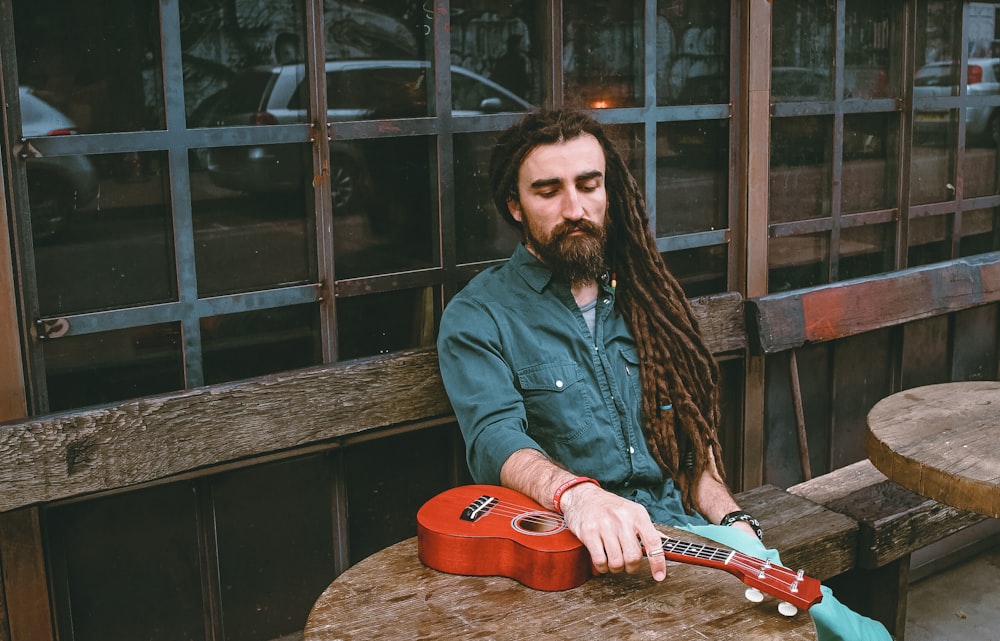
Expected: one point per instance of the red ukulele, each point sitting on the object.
(487, 530)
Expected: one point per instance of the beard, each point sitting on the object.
(574, 259)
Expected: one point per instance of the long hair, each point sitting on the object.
(680, 377)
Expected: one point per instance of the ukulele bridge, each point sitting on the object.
(479, 508)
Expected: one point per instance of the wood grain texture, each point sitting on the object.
(941, 442)
(892, 521)
(65, 455)
(390, 595)
(786, 320)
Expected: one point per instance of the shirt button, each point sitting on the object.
(631, 450)
(559, 384)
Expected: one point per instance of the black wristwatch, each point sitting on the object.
(740, 515)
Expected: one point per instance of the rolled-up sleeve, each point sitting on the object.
(481, 386)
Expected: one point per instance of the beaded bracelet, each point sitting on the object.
(573, 482)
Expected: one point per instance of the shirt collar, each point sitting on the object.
(534, 273)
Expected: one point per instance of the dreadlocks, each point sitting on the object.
(680, 390)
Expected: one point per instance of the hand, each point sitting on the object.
(612, 528)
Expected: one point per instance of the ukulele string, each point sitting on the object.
(778, 573)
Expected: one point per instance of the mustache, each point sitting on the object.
(567, 227)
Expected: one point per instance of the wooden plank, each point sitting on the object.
(13, 404)
(143, 440)
(24, 579)
(792, 319)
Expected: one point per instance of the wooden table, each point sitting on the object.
(391, 595)
(941, 441)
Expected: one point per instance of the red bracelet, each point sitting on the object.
(557, 497)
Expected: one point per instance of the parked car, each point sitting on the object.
(356, 90)
(57, 185)
(940, 79)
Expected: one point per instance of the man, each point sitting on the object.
(576, 369)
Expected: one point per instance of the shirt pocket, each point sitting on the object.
(555, 401)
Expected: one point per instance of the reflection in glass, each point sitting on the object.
(872, 49)
(800, 168)
(797, 261)
(938, 34)
(252, 222)
(932, 164)
(980, 171)
(693, 176)
(602, 53)
(870, 170)
(481, 233)
(247, 344)
(692, 52)
(865, 250)
(802, 49)
(701, 271)
(98, 63)
(115, 250)
(930, 240)
(111, 366)
(980, 232)
(498, 40)
(386, 322)
(388, 223)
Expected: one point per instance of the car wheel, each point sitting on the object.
(345, 184)
(52, 202)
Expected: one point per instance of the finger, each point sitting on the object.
(615, 555)
(653, 545)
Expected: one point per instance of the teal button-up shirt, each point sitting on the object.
(523, 371)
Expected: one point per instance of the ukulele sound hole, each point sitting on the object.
(538, 523)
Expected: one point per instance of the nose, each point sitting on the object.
(573, 208)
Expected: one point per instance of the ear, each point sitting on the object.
(514, 207)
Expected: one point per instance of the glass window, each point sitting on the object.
(602, 53)
(692, 52)
(802, 50)
(873, 49)
(387, 322)
(481, 233)
(930, 239)
(692, 178)
(797, 261)
(871, 166)
(980, 232)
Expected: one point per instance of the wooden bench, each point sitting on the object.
(893, 522)
(135, 444)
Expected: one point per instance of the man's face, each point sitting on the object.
(562, 206)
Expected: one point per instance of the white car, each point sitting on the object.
(57, 185)
(940, 79)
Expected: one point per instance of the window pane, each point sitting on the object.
(980, 232)
(252, 217)
(98, 63)
(930, 240)
(938, 47)
(873, 49)
(602, 53)
(932, 166)
(388, 322)
(481, 233)
(866, 250)
(383, 215)
(981, 171)
(113, 245)
(129, 566)
(797, 261)
(236, 346)
(692, 180)
(870, 171)
(800, 168)
(692, 52)
(701, 271)
(501, 41)
(112, 366)
(802, 49)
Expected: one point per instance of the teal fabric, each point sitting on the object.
(833, 620)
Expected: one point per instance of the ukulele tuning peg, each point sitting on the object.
(754, 595)
(787, 609)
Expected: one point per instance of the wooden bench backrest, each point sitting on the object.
(784, 321)
(149, 439)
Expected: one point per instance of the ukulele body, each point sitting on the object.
(513, 537)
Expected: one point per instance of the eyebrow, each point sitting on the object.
(548, 182)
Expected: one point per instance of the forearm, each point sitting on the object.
(533, 474)
(714, 500)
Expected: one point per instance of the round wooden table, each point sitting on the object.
(391, 595)
(941, 441)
